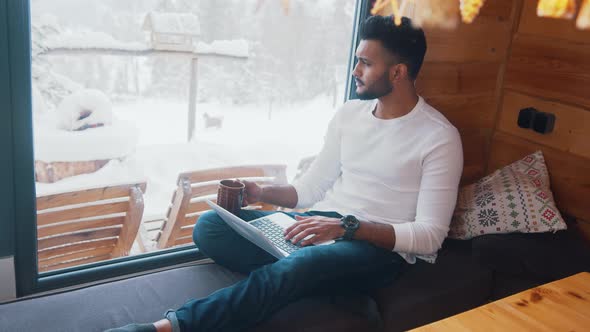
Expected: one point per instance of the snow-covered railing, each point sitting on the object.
(99, 42)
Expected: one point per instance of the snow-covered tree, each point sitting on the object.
(51, 86)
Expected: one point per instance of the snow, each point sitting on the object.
(224, 47)
(57, 140)
(100, 40)
(46, 20)
(174, 23)
(39, 105)
(52, 144)
(247, 137)
(81, 39)
(71, 110)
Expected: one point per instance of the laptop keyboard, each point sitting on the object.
(274, 233)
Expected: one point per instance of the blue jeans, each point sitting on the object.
(340, 268)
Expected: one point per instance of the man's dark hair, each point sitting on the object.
(406, 42)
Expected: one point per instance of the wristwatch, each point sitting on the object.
(350, 224)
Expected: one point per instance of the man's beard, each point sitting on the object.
(380, 88)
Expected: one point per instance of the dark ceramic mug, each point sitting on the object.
(230, 195)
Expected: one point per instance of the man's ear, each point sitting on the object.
(398, 72)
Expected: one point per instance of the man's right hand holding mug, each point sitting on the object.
(252, 193)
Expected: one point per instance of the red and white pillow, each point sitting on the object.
(513, 199)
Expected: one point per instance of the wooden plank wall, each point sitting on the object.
(548, 67)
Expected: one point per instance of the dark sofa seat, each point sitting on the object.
(423, 293)
(428, 292)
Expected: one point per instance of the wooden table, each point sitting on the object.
(562, 305)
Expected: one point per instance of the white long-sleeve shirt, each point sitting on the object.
(404, 172)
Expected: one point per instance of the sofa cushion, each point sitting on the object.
(427, 292)
(521, 261)
(325, 314)
(146, 298)
(513, 199)
(545, 257)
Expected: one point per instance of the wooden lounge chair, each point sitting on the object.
(85, 226)
(188, 202)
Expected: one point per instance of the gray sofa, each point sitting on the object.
(467, 274)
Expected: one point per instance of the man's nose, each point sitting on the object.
(355, 71)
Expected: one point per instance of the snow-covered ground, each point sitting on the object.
(247, 136)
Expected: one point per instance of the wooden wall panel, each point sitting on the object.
(572, 126)
(464, 93)
(475, 151)
(485, 40)
(530, 23)
(440, 78)
(550, 68)
(569, 174)
(467, 111)
(466, 44)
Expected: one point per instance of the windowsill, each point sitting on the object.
(104, 281)
(123, 268)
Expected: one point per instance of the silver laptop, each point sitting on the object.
(265, 232)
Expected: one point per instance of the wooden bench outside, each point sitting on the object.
(188, 201)
(86, 226)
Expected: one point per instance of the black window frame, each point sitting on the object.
(17, 203)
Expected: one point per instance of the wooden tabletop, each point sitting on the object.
(562, 305)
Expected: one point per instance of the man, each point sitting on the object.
(384, 186)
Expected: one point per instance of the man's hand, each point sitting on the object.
(280, 195)
(252, 193)
(323, 228)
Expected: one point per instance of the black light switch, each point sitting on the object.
(544, 122)
(531, 118)
(526, 117)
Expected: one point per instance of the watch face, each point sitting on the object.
(350, 221)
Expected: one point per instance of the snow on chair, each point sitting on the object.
(193, 188)
(85, 226)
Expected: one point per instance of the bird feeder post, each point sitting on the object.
(192, 97)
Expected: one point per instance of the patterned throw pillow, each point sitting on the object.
(513, 199)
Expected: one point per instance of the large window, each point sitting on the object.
(128, 95)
